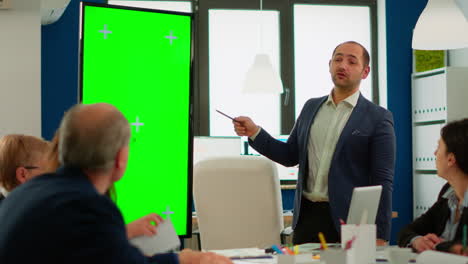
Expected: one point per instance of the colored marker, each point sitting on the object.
(323, 242)
(277, 250)
(288, 251)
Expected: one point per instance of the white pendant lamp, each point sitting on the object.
(441, 26)
(261, 76)
(52, 10)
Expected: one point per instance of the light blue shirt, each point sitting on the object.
(451, 226)
(452, 201)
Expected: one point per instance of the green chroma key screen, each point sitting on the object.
(139, 60)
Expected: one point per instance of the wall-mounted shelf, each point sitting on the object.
(438, 96)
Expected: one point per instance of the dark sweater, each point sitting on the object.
(61, 218)
(433, 221)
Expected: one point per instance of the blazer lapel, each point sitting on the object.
(309, 119)
(350, 127)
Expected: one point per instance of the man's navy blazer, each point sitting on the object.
(61, 218)
(364, 155)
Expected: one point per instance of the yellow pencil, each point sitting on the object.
(296, 249)
(322, 241)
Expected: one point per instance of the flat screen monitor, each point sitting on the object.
(139, 60)
(286, 175)
(212, 147)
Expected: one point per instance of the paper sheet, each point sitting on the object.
(165, 240)
(240, 252)
(435, 257)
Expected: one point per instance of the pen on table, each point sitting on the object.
(251, 257)
(323, 242)
(277, 249)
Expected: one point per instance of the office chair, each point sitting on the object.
(238, 202)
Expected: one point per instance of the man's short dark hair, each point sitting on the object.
(365, 53)
(455, 136)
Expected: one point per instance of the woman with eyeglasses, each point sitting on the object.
(21, 158)
(443, 226)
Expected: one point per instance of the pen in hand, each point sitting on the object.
(225, 115)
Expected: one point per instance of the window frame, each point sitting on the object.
(372, 4)
(200, 8)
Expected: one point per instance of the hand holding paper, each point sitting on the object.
(143, 226)
(165, 240)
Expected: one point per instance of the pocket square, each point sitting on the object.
(359, 133)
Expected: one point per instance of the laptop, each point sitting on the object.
(365, 200)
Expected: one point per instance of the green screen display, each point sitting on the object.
(140, 61)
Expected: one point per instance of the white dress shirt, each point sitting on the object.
(324, 134)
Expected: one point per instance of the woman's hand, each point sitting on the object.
(427, 242)
(143, 226)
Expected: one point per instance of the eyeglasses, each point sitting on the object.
(30, 167)
(21, 141)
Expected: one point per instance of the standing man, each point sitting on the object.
(340, 141)
(64, 217)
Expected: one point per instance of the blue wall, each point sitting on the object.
(60, 67)
(401, 19)
(288, 199)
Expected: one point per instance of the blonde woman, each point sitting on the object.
(22, 157)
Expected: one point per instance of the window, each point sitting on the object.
(299, 37)
(317, 31)
(235, 37)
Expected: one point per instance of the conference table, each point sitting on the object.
(308, 253)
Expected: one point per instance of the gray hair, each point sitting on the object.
(91, 135)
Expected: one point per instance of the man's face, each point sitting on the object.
(347, 67)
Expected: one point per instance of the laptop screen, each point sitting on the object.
(364, 205)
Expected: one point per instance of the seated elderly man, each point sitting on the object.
(63, 217)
